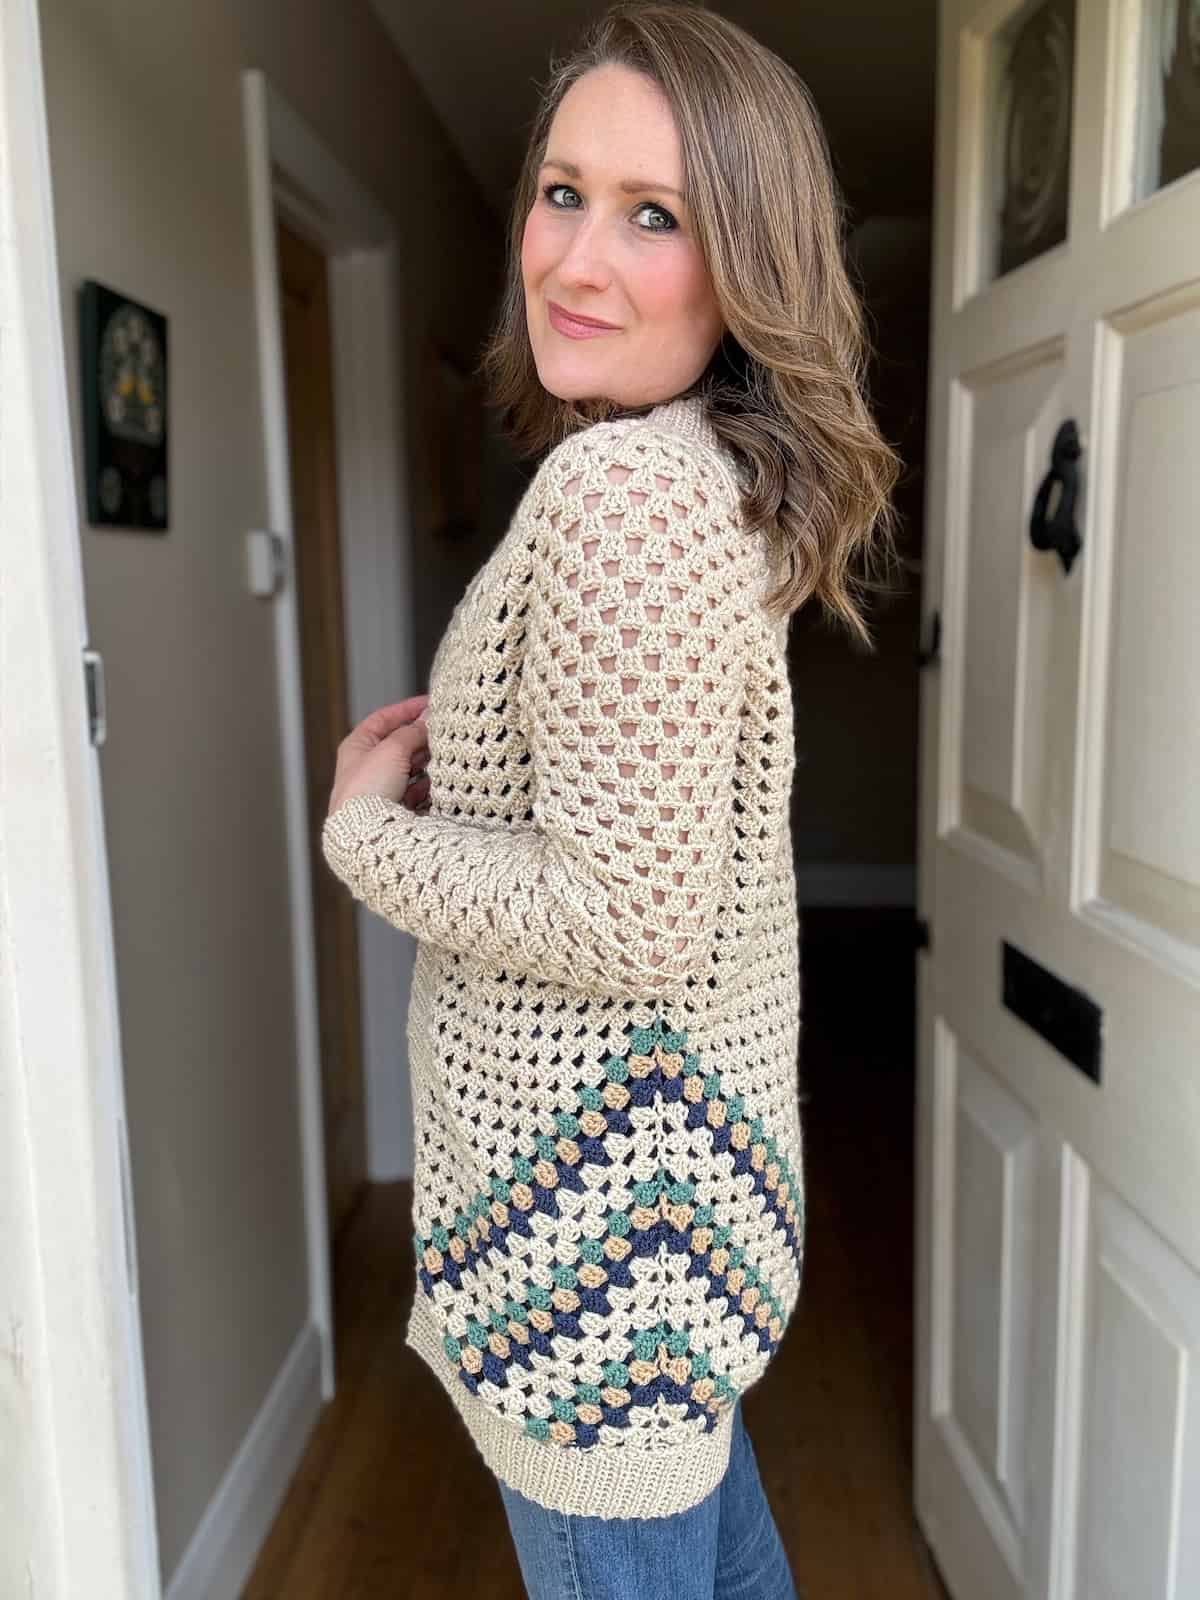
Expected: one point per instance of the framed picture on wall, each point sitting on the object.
(123, 349)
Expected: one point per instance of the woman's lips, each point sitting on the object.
(576, 327)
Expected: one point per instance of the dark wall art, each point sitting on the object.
(124, 354)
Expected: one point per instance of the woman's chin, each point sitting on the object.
(566, 382)
(579, 392)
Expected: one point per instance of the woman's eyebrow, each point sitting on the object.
(627, 185)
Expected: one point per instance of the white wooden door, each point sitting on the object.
(1058, 1219)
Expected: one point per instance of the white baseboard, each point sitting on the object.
(820, 883)
(224, 1547)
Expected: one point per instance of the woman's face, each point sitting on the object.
(610, 239)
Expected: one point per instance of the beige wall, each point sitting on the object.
(144, 104)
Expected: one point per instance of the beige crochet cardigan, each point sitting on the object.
(603, 1026)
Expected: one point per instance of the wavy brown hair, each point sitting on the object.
(785, 388)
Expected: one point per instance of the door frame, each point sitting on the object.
(294, 177)
(70, 1326)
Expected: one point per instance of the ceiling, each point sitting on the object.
(868, 63)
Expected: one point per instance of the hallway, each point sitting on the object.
(392, 1501)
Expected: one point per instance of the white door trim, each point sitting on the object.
(69, 1322)
(294, 176)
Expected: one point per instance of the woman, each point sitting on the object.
(585, 822)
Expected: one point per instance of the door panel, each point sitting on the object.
(1150, 854)
(1012, 415)
(993, 1264)
(1058, 1218)
(1140, 1534)
(984, 1168)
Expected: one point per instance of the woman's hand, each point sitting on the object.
(385, 755)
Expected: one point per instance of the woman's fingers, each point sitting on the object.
(416, 796)
(387, 719)
(381, 766)
(413, 739)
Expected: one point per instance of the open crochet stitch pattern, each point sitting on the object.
(604, 1019)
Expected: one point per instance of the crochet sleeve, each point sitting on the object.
(628, 699)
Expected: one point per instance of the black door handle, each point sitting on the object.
(1058, 531)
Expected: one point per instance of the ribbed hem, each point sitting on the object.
(600, 1481)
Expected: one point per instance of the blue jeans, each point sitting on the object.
(725, 1548)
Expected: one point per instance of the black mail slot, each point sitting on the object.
(1065, 1017)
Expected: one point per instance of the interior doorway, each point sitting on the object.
(330, 364)
(312, 448)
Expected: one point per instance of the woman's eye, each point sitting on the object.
(661, 219)
(553, 189)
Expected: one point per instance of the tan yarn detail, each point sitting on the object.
(607, 849)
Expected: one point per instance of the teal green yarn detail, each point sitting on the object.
(643, 1039)
(645, 1344)
(658, 1358)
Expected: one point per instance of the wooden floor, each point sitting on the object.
(392, 1501)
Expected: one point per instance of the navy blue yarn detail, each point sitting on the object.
(647, 1242)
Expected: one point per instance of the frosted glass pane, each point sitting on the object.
(1168, 126)
(1033, 68)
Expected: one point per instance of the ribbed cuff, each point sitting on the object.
(356, 819)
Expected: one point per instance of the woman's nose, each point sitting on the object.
(585, 263)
